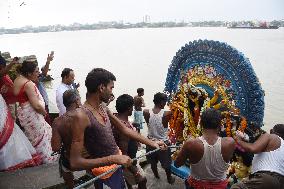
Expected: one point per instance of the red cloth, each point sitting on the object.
(201, 184)
(35, 161)
(7, 130)
(9, 96)
(22, 97)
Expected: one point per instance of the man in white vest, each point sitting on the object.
(268, 161)
(208, 155)
(157, 121)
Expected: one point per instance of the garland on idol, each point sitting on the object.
(211, 74)
(207, 74)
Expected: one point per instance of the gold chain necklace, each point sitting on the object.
(99, 111)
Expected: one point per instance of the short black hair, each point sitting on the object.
(140, 90)
(279, 130)
(27, 67)
(65, 72)
(69, 97)
(247, 156)
(211, 119)
(2, 61)
(123, 103)
(96, 77)
(159, 98)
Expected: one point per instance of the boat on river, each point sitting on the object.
(250, 25)
(253, 27)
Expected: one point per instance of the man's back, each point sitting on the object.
(156, 128)
(63, 126)
(138, 103)
(272, 157)
(214, 153)
(212, 164)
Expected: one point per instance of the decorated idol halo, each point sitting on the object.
(208, 73)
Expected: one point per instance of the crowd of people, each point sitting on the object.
(89, 136)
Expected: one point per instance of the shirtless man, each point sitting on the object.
(139, 99)
(61, 135)
(208, 155)
(138, 114)
(133, 174)
(91, 129)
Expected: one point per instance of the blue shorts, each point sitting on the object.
(138, 118)
(116, 181)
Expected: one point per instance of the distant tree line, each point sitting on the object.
(121, 25)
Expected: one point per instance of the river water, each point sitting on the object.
(140, 57)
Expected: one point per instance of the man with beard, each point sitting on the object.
(91, 129)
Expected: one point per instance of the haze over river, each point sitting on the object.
(140, 57)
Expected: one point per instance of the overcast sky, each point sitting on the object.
(45, 12)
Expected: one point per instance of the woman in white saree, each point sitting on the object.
(16, 151)
(32, 111)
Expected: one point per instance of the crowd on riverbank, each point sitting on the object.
(90, 137)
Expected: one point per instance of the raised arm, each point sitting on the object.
(77, 161)
(30, 90)
(132, 134)
(258, 146)
(46, 66)
(8, 67)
